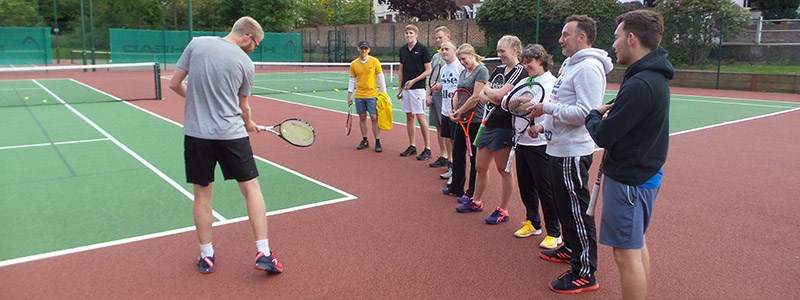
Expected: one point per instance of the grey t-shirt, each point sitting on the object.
(437, 63)
(219, 72)
(480, 74)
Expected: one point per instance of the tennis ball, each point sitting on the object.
(335, 90)
(295, 88)
(314, 92)
(44, 101)
(26, 97)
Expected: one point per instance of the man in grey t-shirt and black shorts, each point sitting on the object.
(216, 126)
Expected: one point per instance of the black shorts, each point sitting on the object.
(446, 127)
(235, 158)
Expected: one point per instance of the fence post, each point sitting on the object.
(758, 29)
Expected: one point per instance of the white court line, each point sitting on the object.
(307, 95)
(18, 89)
(126, 149)
(51, 144)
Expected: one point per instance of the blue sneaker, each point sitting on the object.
(268, 263)
(498, 216)
(464, 199)
(470, 206)
(206, 264)
(448, 192)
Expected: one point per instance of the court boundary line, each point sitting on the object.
(346, 196)
(124, 148)
(51, 144)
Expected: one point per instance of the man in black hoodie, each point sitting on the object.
(634, 130)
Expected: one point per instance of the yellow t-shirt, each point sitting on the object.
(364, 73)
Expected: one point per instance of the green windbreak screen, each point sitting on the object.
(129, 45)
(25, 45)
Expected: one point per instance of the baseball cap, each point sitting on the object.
(363, 44)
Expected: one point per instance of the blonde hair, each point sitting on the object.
(442, 29)
(248, 25)
(412, 27)
(512, 42)
(468, 49)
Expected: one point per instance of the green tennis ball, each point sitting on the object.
(26, 97)
(335, 90)
(295, 88)
(314, 92)
(44, 101)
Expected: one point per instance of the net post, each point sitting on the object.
(157, 75)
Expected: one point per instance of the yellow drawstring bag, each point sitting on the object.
(384, 106)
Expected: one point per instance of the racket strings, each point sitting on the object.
(297, 132)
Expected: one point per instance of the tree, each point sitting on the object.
(424, 10)
(20, 13)
(518, 17)
(694, 26)
(778, 9)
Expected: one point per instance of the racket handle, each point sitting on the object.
(593, 199)
(478, 135)
(262, 127)
(469, 146)
(510, 159)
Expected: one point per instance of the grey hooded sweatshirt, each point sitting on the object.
(580, 88)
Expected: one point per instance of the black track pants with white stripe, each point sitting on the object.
(570, 179)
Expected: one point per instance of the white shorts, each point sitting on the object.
(414, 101)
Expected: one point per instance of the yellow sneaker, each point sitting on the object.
(550, 242)
(527, 230)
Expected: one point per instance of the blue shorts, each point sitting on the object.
(626, 214)
(367, 105)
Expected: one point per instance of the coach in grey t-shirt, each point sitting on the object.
(218, 72)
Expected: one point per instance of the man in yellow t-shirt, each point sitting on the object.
(366, 76)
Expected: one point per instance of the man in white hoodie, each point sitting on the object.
(580, 87)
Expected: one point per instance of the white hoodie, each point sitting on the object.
(580, 88)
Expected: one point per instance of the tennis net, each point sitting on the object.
(288, 78)
(27, 86)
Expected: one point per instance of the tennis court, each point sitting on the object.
(80, 169)
(82, 183)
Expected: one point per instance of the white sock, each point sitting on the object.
(206, 250)
(263, 246)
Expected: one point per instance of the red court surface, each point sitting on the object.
(724, 227)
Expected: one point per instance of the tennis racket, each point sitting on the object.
(460, 97)
(348, 125)
(297, 132)
(497, 82)
(596, 188)
(434, 75)
(520, 103)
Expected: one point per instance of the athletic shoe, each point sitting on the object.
(378, 147)
(425, 155)
(498, 216)
(550, 242)
(571, 283)
(448, 192)
(449, 181)
(411, 150)
(527, 230)
(561, 255)
(363, 144)
(448, 174)
(269, 263)
(440, 162)
(464, 199)
(470, 206)
(206, 264)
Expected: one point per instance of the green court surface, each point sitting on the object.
(686, 112)
(102, 170)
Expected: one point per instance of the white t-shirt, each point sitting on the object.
(449, 76)
(547, 80)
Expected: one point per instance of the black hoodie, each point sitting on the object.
(636, 132)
